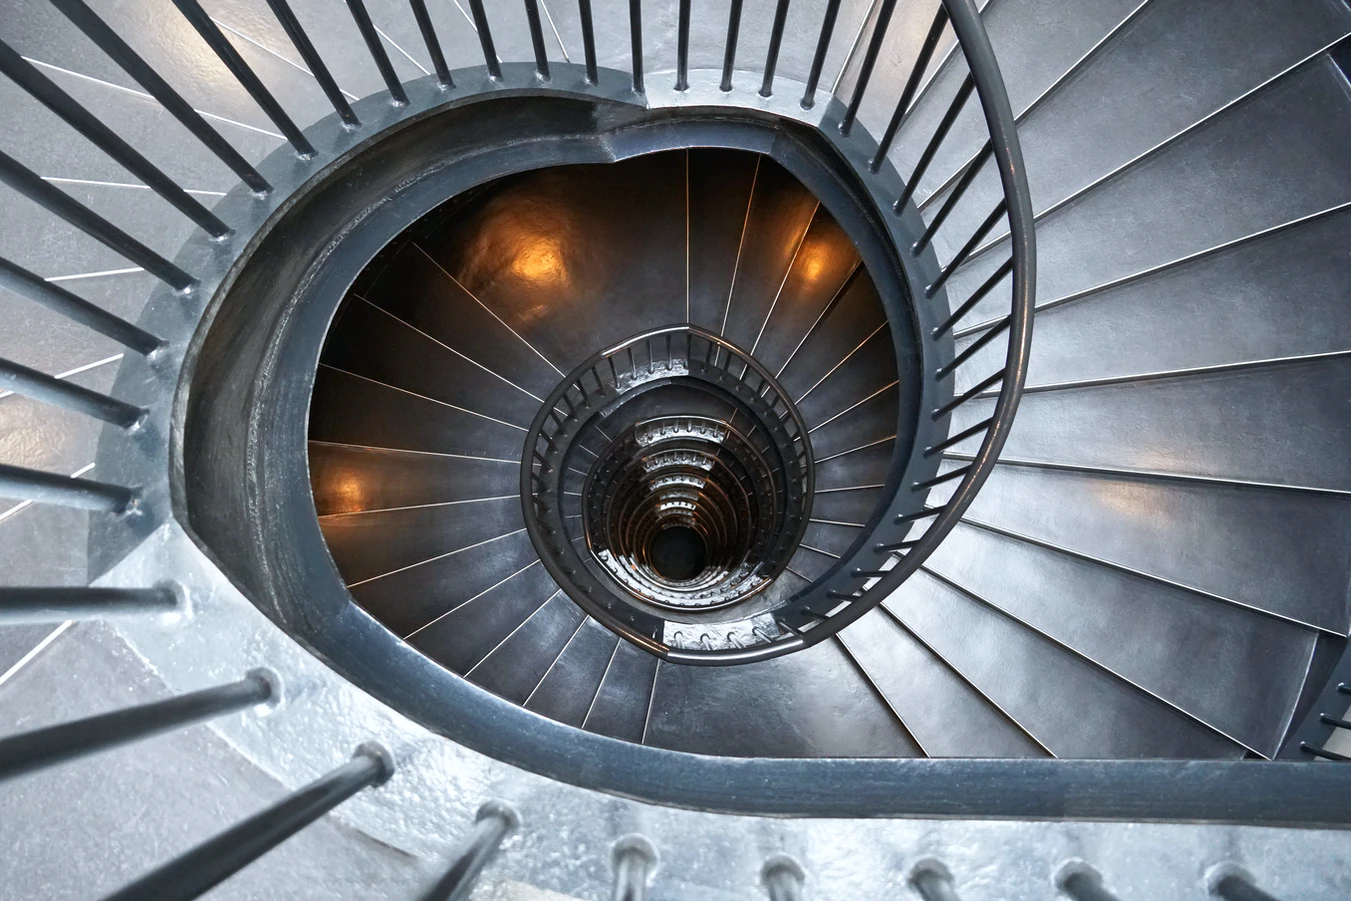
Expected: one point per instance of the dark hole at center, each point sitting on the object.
(678, 553)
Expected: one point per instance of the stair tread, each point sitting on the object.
(1274, 296)
(1070, 706)
(1194, 194)
(1150, 633)
(622, 700)
(945, 714)
(1090, 126)
(814, 703)
(1233, 541)
(410, 598)
(514, 669)
(567, 690)
(1289, 429)
(464, 636)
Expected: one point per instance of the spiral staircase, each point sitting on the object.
(602, 450)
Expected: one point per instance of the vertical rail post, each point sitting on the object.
(50, 390)
(634, 858)
(485, 38)
(537, 38)
(636, 42)
(865, 72)
(377, 50)
(729, 50)
(57, 744)
(424, 26)
(588, 41)
(783, 878)
(56, 605)
(48, 488)
(121, 53)
(932, 881)
(822, 48)
(212, 862)
(197, 17)
(301, 41)
(926, 53)
(29, 184)
(931, 150)
(495, 821)
(76, 309)
(683, 46)
(775, 41)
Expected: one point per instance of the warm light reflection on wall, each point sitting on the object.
(813, 261)
(346, 491)
(539, 259)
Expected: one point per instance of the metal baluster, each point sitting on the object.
(634, 858)
(56, 605)
(822, 47)
(956, 194)
(495, 821)
(485, 38)
(48, 488)
(782, 876)
(932, 882)
(869, 60)
(683, 47)
(29, 184)
(926, 52)
(1083, 883)
(45, 91)
(197, 17)
(973, 347)
(76, 309)
(121, 53)
(775, 40)
(424, 26)
(954, 109)
(291, 25)
(958, 438)
(589, 41)
(968, 248)
(377, 50)
(636, 41)
(537, 38)
(729, 51)
(49, 390)
(215, 860)
(969, 394)
(938, 480)
(986, 287)
(57, 744)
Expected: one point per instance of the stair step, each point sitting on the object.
(719, 186)
(1275, 295)
(369, 342)
(349, 409)
(1270, 549)
(1151, 634)
(464, 636)
(409, 598)
(814, 703)
(1289, 428)
(1071, 706)
(945, 714)
(513, 669)
(1090, 126)
(1035, 50)
(347, 479)
(623, 700)
(568, 688)
(1212, 185)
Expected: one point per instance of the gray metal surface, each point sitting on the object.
(1205, 534)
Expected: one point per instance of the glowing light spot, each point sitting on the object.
(540, 259)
